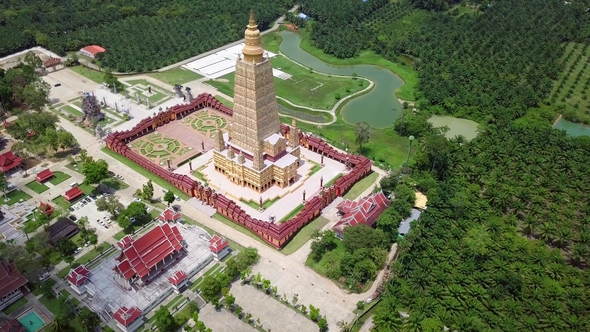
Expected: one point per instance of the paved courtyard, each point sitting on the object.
(291, 197)
(273, 314)
(112, 292)
(72, 84)
(223, 320)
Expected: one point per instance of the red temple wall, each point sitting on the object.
(277, 235)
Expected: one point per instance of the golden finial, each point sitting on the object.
(252, 50)
(252, 20)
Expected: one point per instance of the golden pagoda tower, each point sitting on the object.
(264, 158)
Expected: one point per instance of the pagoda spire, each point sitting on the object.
(253, 45)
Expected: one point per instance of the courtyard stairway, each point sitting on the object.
(206, 209)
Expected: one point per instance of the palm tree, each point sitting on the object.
(344, 326)
(59, 324)
(579, 253)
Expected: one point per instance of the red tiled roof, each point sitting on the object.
(93, 49)
(73, 193)
(217, 244)
(366, 211)
(12, 325)
(144, 253)
(52, 62)
(78, 276)
(10, 278)
(8, 161)
(125, 242)
(169, 215)
(127, 316)
(177, 278)
(44, 175)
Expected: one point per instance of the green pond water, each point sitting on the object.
(31, 321)
(379, 107)
(572, 128)
(457, 126)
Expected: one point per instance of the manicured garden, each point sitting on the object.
(37, 187)
(58, 177)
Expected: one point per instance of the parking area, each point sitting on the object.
(99, 220)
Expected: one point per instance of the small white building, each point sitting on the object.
(77, 279)
(92, 50)
(128, 320)
(178, 280)
(219, 247)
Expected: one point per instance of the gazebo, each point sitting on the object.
(44, 175)
(169, 215)
(73, 193)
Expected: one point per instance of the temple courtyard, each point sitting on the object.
(112, 292)
(279, 203)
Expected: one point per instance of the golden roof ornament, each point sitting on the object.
(252, 50)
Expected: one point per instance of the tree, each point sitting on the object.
(33, 60)
(61, 323)
(363, 236)
(164, 320)
(230, 300)
(169, 197)
(65, 247)
(148, 191)
(314, 313)
(3, 185)
(323, 324)
(362, 132)
(26, 262)
(110, 204)
(89, 319)
(66, 140)
(323, 242)
(210, 288)
(83, 155)
(95, 171)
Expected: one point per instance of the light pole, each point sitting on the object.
(411, 138)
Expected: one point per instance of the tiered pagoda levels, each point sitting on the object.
(253, 152)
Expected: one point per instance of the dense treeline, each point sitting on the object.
(493, 62)
(470, 262)
(138, 35)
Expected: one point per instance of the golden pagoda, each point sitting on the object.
(254, 153)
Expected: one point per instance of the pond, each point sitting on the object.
(31, 321)
(379, 107)
(457, 126)
(572, 128)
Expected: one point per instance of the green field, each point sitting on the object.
(328, 259)
(90, 74)
(37, 187)
(406, 73)
(72, 111)
(224, 101)
(176, 75)
(15, 196)
(304, 88)
(302, 113)
(364, 184)
(115, 183)
(58, 177)
(61, 202)
(304, 235)
(571, 88)
(15, 306)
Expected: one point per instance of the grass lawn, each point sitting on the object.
(37, 187)
(256, 205)
(63, 272)
(293, 213)
(15, 196)
(303, 113)
(240, 228)
(224, 101)
(37, 290)
(31, 224)
(51, 304)
(90, 74)
(156, 179)
(79, 169)
(304, 235)
(15, 306)
(364, 184)
(61, 202)
(58, 177)
(304, 88)
(176, 75)
(406, 73)
(92, 254)
(72, 111)
(115, 183)
(327, 260)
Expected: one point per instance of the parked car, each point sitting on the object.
(86, 244)
(44, 276)
(71, 209)
(111, 173)
(137, 199)
(120, 177)
(57, 84)
(73, 217)
(79, 250)
(93, 196)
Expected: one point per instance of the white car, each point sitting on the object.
(137, 199)
(79, 250)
